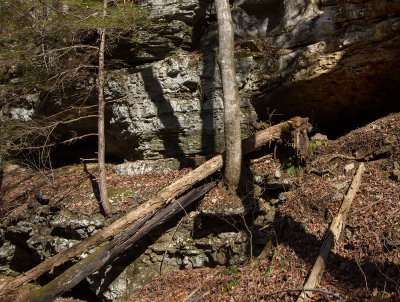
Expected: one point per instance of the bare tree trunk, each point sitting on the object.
(101, 137)
(233, 153)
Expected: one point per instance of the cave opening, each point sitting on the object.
(336, 102)
(75, 152)
(82, 150)
(335, 123)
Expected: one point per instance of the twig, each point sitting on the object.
(337, 296)
(262, 158)
(342, 156)
(250, 234)
(386, 276)
(88, 159)
(366, 207)
(63, 142)
(74, 70)
(365, 277)
(66, 48)
(199, 296)
(320, 173)
(169, 243)
(191, 294)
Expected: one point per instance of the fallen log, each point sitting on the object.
(112, 249)
(332, 236)
(163, 197)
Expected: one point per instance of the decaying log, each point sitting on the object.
(112, 249)
(332, 236)
(282, 130)
(163, 197)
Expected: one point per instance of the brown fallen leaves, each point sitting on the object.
(365, 266)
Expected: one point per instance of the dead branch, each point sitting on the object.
(74, 70)
(200, 296)
(75, 138)
(66, 48)
(342, 156)
(111, 250)
(163, 197)
(333, 234)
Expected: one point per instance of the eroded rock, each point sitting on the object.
(145, 166)
(173, 108)
(329, 52)
(201, 239)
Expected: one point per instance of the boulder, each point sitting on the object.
(145, 166)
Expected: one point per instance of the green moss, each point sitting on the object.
(119, 194)
(247, 54)
(20, 292)
(246, 111)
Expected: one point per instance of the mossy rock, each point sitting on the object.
(117, 195)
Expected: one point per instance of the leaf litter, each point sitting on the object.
(365, 265)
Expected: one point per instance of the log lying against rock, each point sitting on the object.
(332, 236)
(276, 132)
(112, 249)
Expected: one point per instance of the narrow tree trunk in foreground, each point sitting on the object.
(332, 236)
(163, 197)
(100, 127)
(233, 141)
(111, 250)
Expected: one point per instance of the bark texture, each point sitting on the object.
(100, 127)
(233, 153)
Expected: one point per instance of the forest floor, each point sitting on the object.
(364, 266)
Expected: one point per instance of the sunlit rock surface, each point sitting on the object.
(174, 107)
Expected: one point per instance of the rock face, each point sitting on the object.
(337, 60)
(200, 239)
(179, 19)
(173, 108)
(327, 59)
(330, 60)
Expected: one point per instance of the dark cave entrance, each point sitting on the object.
(74, 153)
(335, 102)
(332, 122)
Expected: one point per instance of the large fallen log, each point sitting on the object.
(332, 236)
(112, 249)
(164, 196)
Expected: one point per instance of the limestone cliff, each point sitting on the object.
(337, 62)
